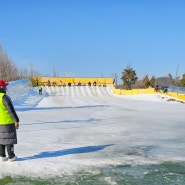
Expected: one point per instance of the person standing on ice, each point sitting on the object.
(9, 122)
(40, 90)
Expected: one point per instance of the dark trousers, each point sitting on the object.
(10, 151)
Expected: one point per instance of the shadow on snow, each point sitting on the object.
(90, 120)
(28, 108)
(59, 153)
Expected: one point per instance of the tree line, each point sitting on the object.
(129, 78)
(9, 70)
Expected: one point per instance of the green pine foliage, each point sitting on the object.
(182, 82)
(129, 77)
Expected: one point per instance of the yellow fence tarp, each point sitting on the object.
(147, 91)
(60, 81)
(134, 91)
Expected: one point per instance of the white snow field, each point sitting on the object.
(68, 129)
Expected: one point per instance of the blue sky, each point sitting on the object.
(94, 38)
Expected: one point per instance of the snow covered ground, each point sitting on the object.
(68, 129)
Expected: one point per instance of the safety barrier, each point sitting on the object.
(147, 91)
(68, 81)
(133, 91)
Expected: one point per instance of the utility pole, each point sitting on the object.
(115, 79)
(176, 78)
(177, 71)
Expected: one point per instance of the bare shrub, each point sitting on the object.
(9, 71)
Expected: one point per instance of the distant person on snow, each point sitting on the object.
(40, 90)
(60, 82)
(165, 90)
(9, 122)
(89, 84)
(37, 82)
(48, 83)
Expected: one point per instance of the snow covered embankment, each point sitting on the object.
(23, 94)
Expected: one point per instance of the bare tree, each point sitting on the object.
(10, 71)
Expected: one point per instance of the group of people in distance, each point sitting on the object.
(161, 89)
(48, 83)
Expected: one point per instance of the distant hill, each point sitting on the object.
(163, 81)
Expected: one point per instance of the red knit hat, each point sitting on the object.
(2, 83)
